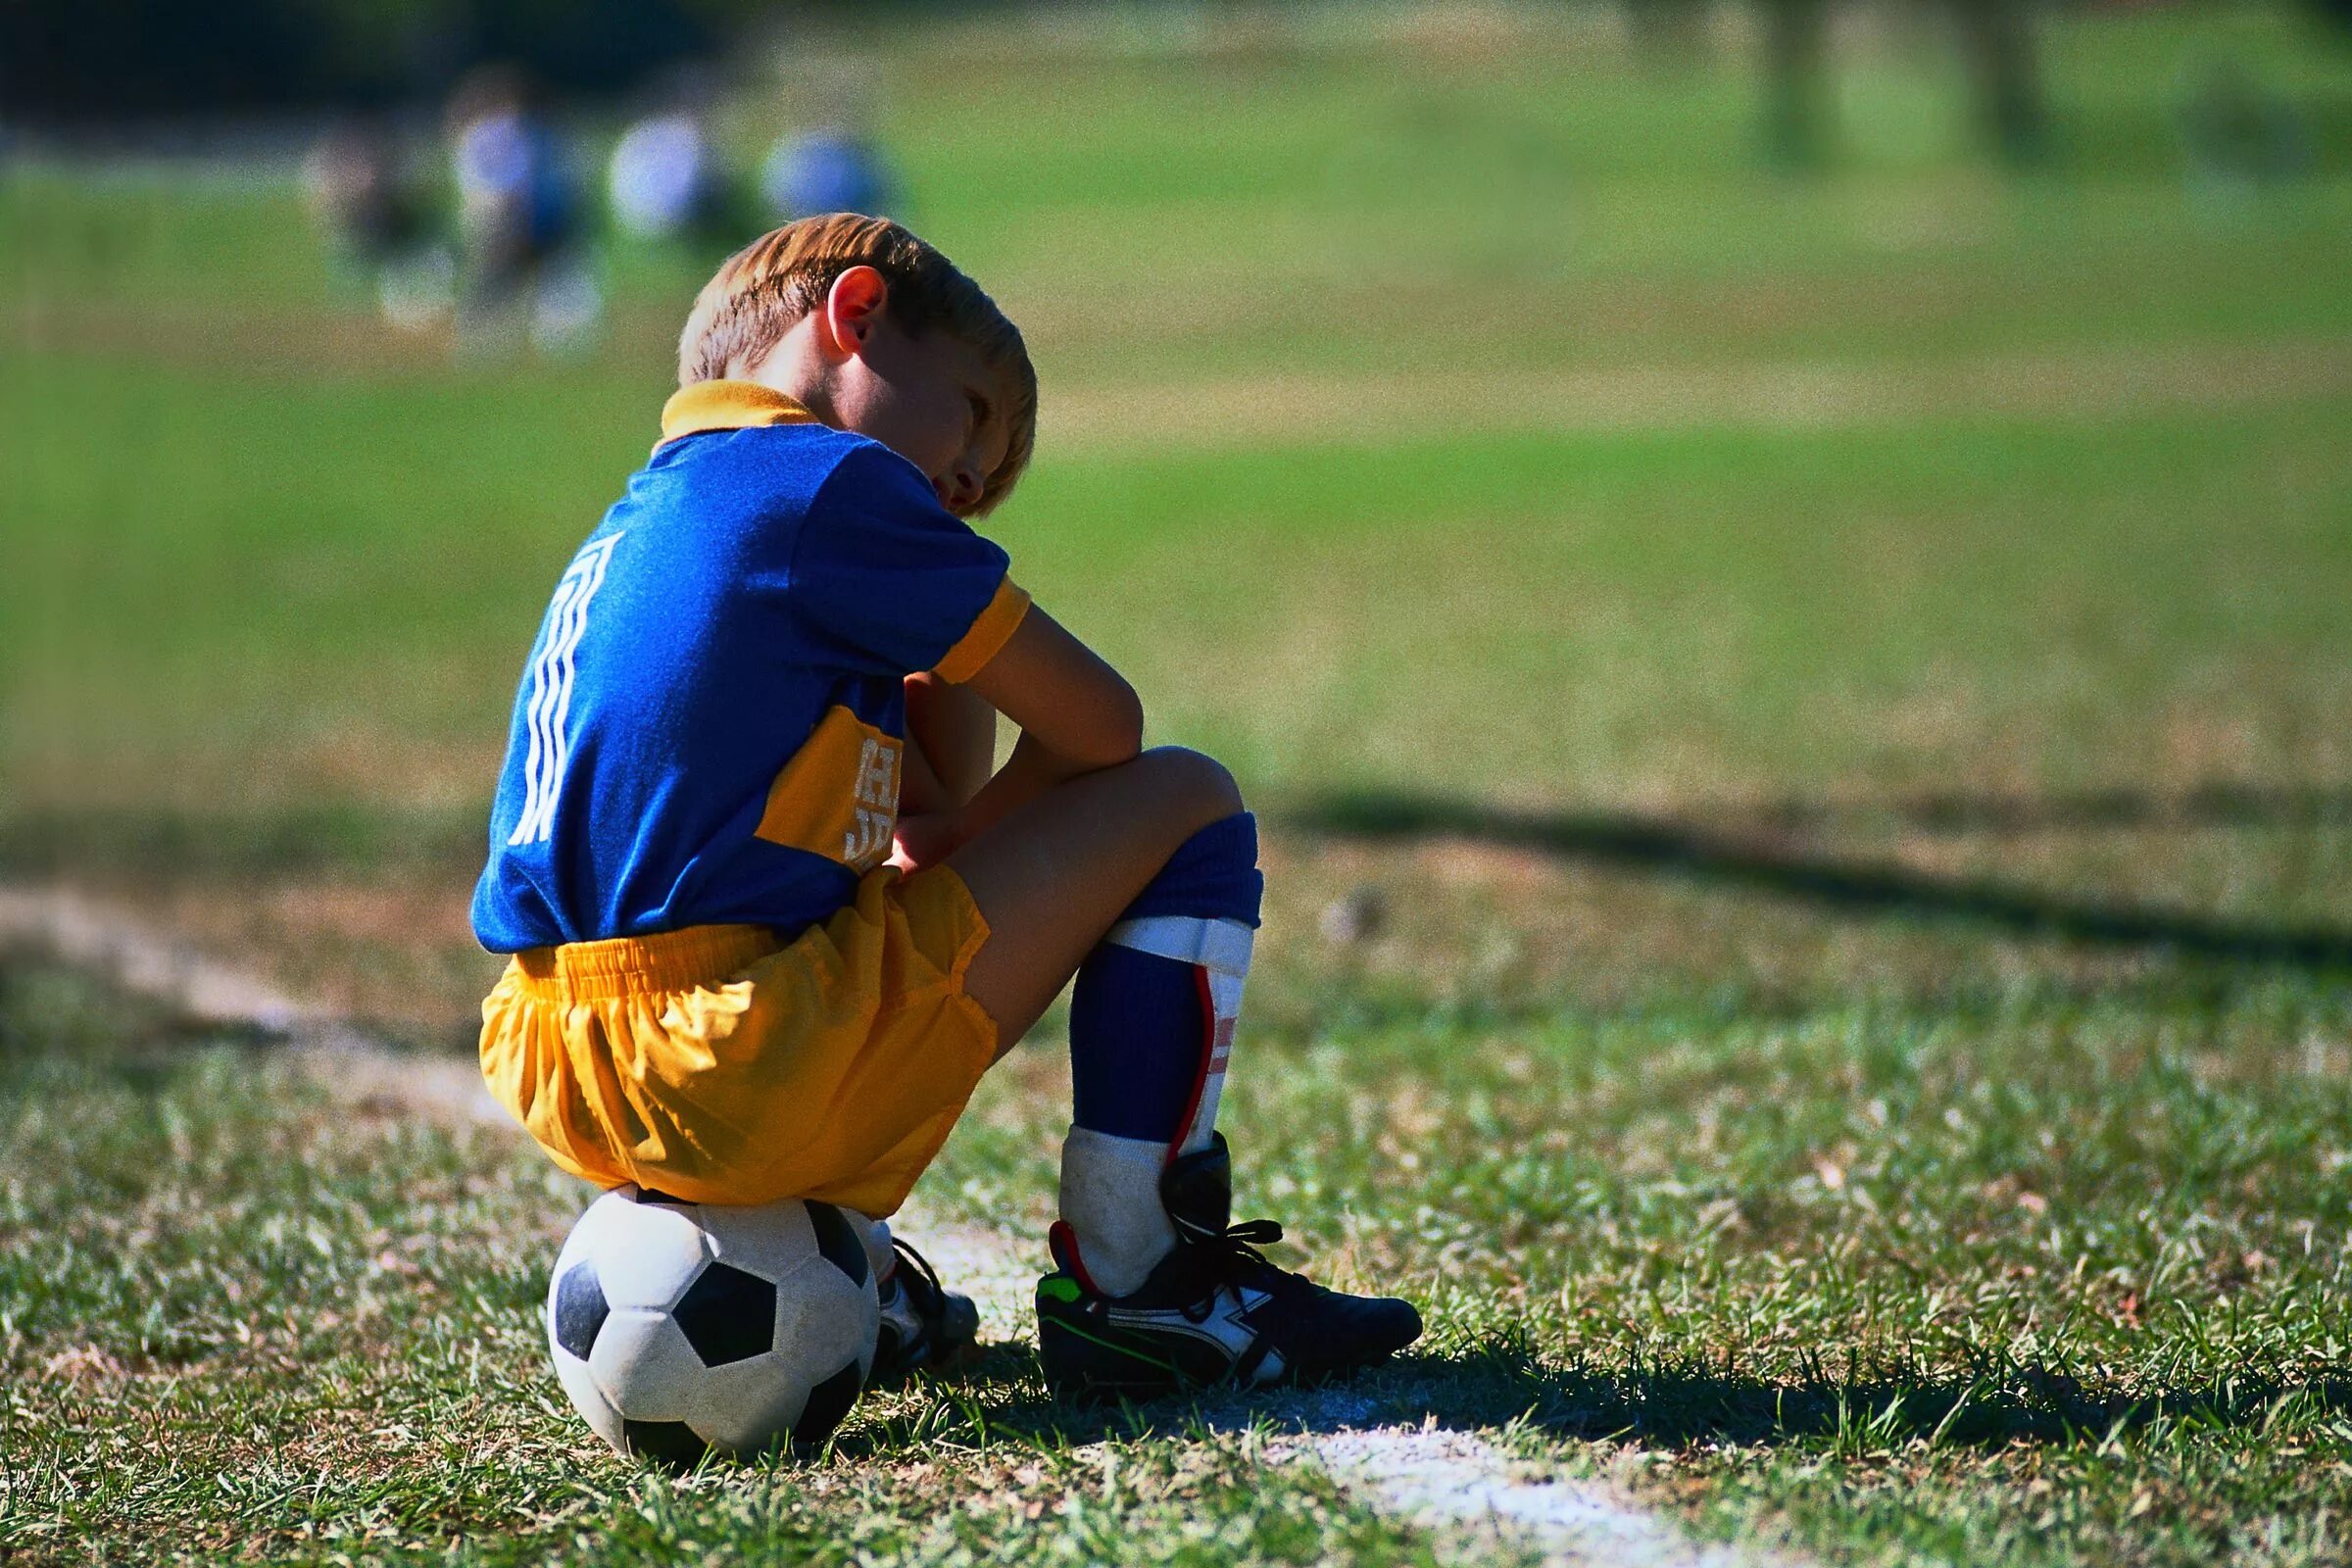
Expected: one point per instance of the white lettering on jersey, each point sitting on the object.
(864, 846)
(877, 774)
(551, 690)
(876, 792)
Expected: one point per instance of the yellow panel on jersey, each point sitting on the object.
(714, 1065)
(838, 795)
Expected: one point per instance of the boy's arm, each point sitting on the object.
(1076, 714)
(955, 736)
(951, 747)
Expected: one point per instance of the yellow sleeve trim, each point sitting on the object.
(990, 632)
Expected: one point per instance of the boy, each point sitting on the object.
(770, 915)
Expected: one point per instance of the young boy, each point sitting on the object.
(770, 915)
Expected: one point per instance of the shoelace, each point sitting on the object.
(926, 1308)
(1231, 1254)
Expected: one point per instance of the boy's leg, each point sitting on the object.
(1159, 983)
(1057, 873)
(1029, 874)
(1143, 879)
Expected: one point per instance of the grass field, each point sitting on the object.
(1833, 701)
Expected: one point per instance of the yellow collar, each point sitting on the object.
(727, 405)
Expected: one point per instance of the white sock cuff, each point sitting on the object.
(1220, 946)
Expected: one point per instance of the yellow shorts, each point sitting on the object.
(721, 1066)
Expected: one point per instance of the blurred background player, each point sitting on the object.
(360, 186)
(524, 271)
(831, 168)
(666, 185)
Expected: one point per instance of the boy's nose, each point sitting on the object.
(958, 488)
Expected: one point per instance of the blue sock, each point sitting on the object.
(1152, 1021)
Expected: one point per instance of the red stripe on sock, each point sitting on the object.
(1211, 1056)
(1064, 1241)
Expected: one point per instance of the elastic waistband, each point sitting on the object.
(669, 960)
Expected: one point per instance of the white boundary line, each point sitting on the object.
(1456, 1483)
(343, 1058)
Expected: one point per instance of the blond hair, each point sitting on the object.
(761, 291)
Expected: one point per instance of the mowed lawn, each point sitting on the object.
(1811, 931)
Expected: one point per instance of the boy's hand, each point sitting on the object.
(924, 839)
(1076, 714)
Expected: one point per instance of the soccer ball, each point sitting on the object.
(681, 1328)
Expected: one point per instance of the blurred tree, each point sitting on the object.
(91, 60)
(1795, 63)
(1996, 44)
(1996, 39)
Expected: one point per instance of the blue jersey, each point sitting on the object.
(710, 726)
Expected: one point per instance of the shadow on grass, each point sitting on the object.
(1670, 847)
(352, 838)
(2205, 807)
(1999, 1403)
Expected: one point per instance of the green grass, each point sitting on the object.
(1762, 612)
(1317, 206)
(247, 525)
(2043, 1277)
(237, 1320)
(1848, 1034)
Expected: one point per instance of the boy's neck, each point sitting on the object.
(795, 368)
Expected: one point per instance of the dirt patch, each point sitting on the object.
(1283, 410)
(153, 961)
(1280, 410)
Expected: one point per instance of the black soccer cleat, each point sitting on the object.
(925, 1327)
(1215, 1311)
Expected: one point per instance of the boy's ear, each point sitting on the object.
(852, 307)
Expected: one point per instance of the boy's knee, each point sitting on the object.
(1201, 786)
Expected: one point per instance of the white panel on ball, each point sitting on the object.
(824, 1321)
(610, 1213)
(770, 1240)
(580, 1383)
(747, 1406)
(646, 1253)
(645, 1367)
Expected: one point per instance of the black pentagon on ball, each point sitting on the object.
(837, 1242)
(580, 1309)
(828, 1403)
(727, 1315)
(652, 1195)
(670, 1443)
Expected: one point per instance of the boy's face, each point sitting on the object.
(932, 400)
